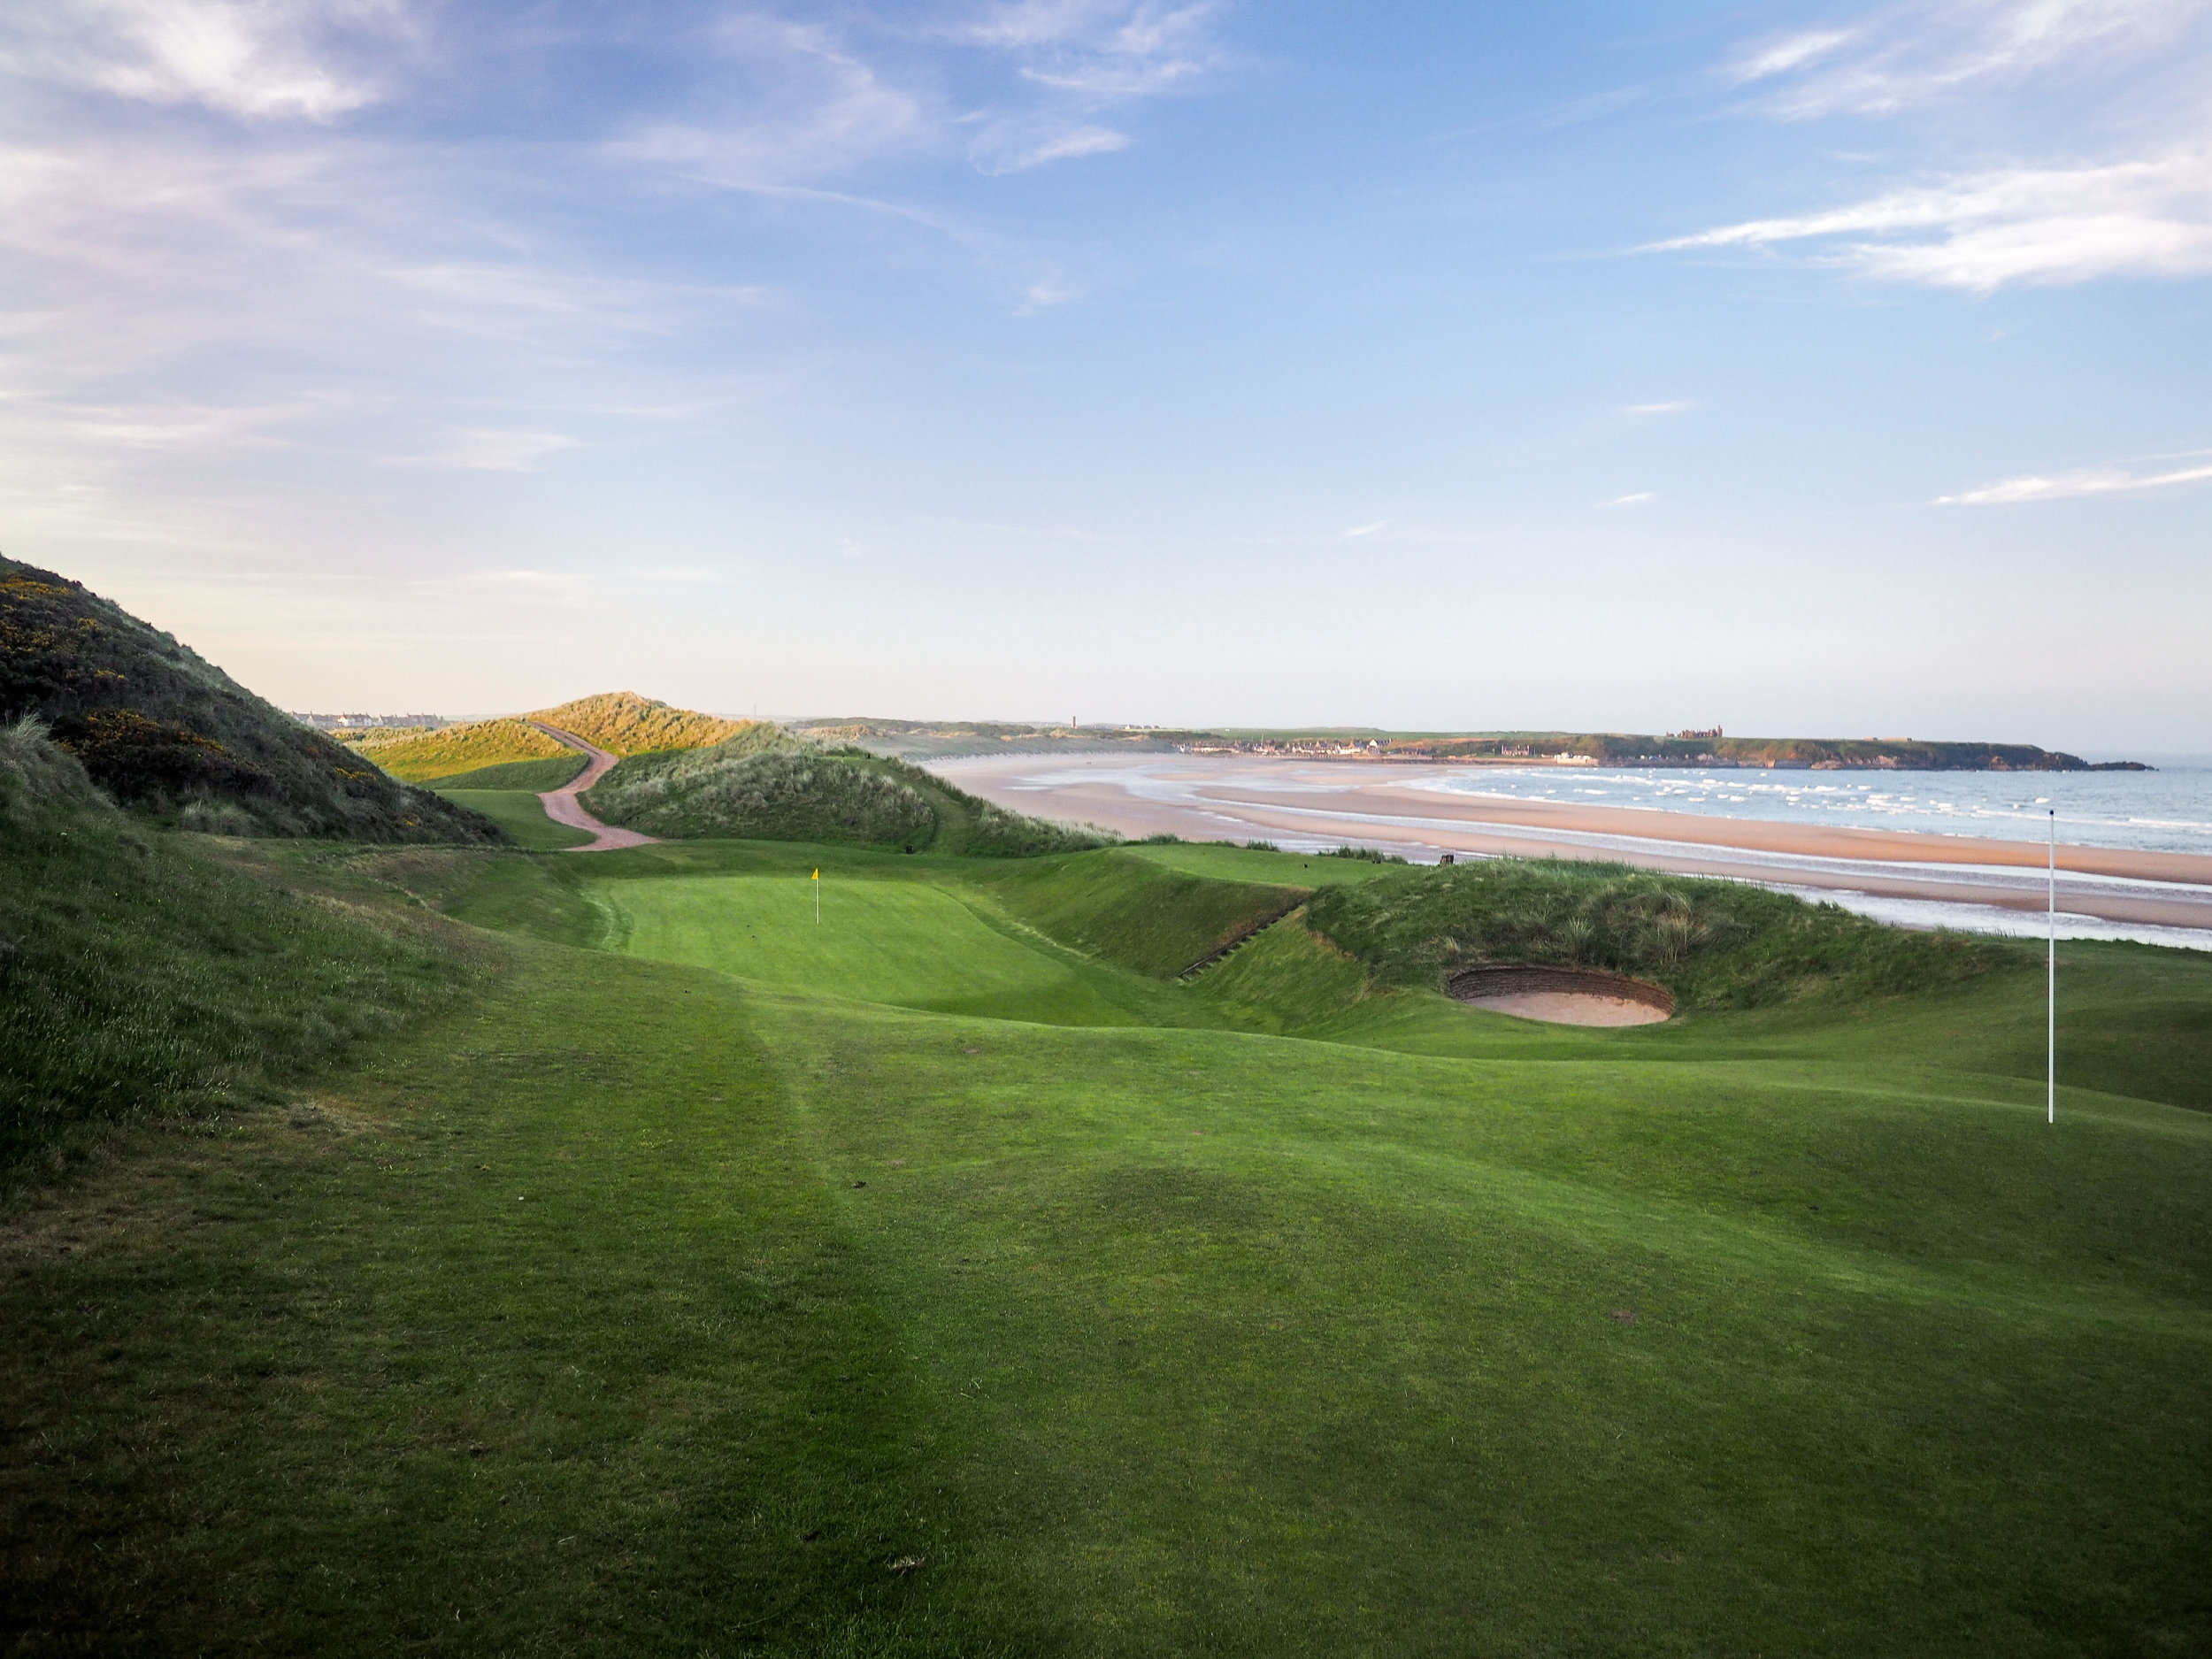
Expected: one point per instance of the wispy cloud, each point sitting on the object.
(2039, 225)
(2062, 486)
(1680, 406)
(2100, 67)
(257, 59)
(492, 450)
(1637, 499)
(1082, 60)
(1910, 54)
(1357, 531)
(1016, 146)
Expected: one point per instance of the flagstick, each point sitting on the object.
(2050, 1035)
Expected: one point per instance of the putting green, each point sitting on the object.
(902, 942)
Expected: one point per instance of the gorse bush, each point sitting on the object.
(1365, 854)
(137, 975)
(1713, 943)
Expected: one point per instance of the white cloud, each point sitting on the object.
(1367, 529)
(2040, 225)
(1637, 499)
(1016, 146)
(1910, 54)
(1794, 51)
(1679, 407)
(2059, 487)
(255, 59)
(1083, 58)
(789, 102)
(494, 449)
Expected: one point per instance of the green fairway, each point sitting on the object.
(522, 815)
(906, 942)
(948, 1277)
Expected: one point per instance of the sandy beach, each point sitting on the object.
(1321, 802)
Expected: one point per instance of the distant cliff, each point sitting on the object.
(931, 738)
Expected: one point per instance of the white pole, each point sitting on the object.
(2050, 1028)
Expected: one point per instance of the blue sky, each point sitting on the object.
(1801, 367)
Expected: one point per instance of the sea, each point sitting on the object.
(2169, 809)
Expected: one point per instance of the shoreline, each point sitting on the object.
(2161, 889)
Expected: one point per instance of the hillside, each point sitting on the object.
(137, 975)
(167, 733)
(620, 722)
(1714, 944)
(764, 784)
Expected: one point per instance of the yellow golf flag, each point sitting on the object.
(818, 875)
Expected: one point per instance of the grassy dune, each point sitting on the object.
(620, 722)
(452, 750)
(765, 785)
(947, 1278)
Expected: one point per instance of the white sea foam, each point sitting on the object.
(2167, 810)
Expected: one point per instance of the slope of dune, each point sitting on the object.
(166, 732)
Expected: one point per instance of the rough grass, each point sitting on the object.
(1126, 910)
(620, 722)
(522, 816)
(765, 785)
(454, 750)
(535, 776)
(140, 978)
(780, 794)
(175, 739)
(1715, 944)
(623, 723)
(694, 1305)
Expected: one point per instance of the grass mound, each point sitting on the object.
(164, 731)
(1714, 944)
(137, 973)
(453, 751)
(537, 776)
(780, 794)
(623, 723)
(763, 783)
(1132, 912)
(620, 722)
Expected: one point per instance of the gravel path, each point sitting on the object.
(562, 807)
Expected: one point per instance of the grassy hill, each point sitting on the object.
(620, 722)
(139, 976)
(682, 1273)
(764, 784)
(170, 734)
(1712, 943)
(470, 746)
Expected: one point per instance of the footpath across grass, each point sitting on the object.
(952, 1279)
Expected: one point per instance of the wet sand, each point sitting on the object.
(1202, 799)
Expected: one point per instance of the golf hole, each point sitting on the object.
(1564, 997)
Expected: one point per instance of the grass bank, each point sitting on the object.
(945, 1276)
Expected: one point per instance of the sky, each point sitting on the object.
(1802, 368)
